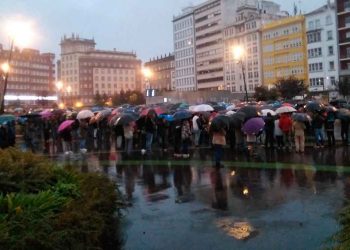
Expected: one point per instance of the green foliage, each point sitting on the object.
(264, 94)
(290, 87)
(46, 207)
(130, 97)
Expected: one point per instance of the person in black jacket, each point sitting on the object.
(329, 127)
(150, 128)
(317, 125)
(269, 129)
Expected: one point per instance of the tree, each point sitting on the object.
(261, 93)
(98, 101)
(264, 94)
(291, 87)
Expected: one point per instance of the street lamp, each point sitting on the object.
(69, 91)
(59, 86)
(20, 32)
(238, 55)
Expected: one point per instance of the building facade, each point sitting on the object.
(209, 45)
(32, 74)
(86, 71)
(184, 51)
(162, 69)
(284, 50)
(246, 33)
(322, 49)
(343, 27)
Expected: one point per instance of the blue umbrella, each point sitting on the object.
(6, 118)
(182, 115)
(97, 109)
(168, 118)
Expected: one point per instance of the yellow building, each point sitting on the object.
(284, 50)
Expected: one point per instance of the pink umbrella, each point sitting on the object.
(46, 114)
(65, 125)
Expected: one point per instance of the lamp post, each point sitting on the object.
(147, 74)
(238, 54)
(6, 69)
(69, 91)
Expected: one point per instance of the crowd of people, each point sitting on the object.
(140, 131)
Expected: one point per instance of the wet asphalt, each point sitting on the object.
(268, 199)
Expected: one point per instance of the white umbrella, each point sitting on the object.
(264, 112)
(231, 107)
(285, 109)
(230, 112)
(191, 108)
(85, 114)
(203, 108)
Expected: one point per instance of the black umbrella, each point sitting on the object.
(250, 112)
(218, 108)
(125, 119)
(314, 107)
(219, 123)
(237, 119)
(343, 114)
(301, 117)
(182, 115)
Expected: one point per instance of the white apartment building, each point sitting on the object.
(246, 32)
(184, 51)
(322, 50)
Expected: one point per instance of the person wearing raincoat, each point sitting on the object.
(128, 135)
(299, 136)
(219, 141)
(185, 138)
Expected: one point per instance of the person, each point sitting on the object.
(285, 125)
(150, 128)
(344, 130)
(163, 131)
(177, 138)
(195, 129)
(317, 125)
(185, 138)
(329, 127)
(299, 136)
(269, 129)
(128, 135)
(278, 134)
(219, 141)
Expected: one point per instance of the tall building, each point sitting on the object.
(184, 50)
(32, 74)
(284, 50)
(209, 45)
(322, 49)
(343, 26)
(245, 32)
(86, 71)
(162, 69)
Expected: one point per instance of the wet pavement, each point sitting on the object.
(270, 200)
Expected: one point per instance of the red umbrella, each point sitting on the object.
(286, 104)
(65, 125)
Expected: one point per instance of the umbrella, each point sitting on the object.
(6, 118)
(65, 125)
(46, 113)
(218, 108)
(230, 112)
(264, 112)
(124, 120)
(285, 109)
(313, 107)
(155, 111)
(103, 114)
(182, 115)
(343, 114)
(96, 109)
(231, 107)
(250, 111)
(301, 117)
(168, 118)
(253, 125)
(330, 108)
(286, 104)
(237, 119)
(117, 111)
(85, 114)
(202, 108)
(220, 122)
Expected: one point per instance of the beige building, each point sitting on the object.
(86, 71)
(162, 72)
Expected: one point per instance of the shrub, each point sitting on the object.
(46, 207)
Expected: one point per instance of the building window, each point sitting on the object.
(311, 25)
(328, 20)
(330, 50)
(318, 24)
(329, 35)
(331, 65)
(314, 37)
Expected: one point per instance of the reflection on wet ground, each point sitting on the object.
(275, 200)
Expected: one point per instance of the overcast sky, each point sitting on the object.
(128, 25)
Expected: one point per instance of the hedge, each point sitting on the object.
(43, 206)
